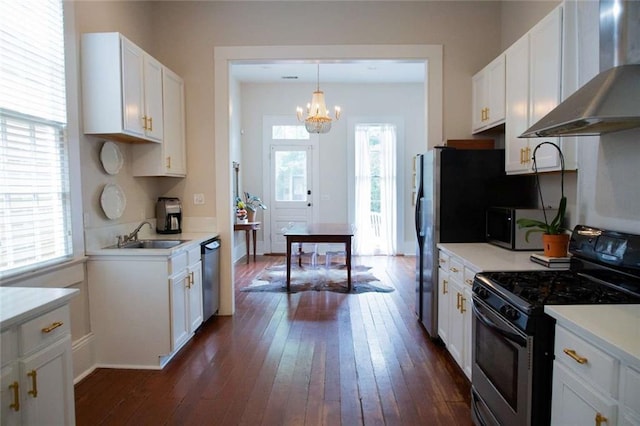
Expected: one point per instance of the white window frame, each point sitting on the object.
(74, 216)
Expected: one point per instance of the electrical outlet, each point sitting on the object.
(198, 198)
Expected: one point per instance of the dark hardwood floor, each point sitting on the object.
(309, 358)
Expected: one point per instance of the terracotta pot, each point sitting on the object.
(555, 245)
(251, 215)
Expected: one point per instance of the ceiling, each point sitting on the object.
(330, 72)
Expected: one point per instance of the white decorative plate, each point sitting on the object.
(113, 201)
(111, 158)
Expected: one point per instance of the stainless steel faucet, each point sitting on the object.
(133, 236)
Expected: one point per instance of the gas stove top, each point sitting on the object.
(534, 289)
(604, 269)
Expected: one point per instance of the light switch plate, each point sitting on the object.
(198, 198)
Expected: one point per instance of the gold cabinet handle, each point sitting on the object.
(191, 279)
(600, 419)
(458, 301)
(577, 358)
(150, 124)
(445, 290)
(521, 155)
(168, 162)
(527, 155)
(52, 327)
(16, 396)
(486, 117)
(34, 383)
(462, 300)
(144, 122)
(452, 269)
(468, 281)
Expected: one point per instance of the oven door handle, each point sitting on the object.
(516, 338)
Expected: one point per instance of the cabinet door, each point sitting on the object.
(465, 308)
(456, 324)
(132, 88)
(174, 124)
(496, 91)
(195, 296)
(10, 395)
(575, 403)
(545, 67)
(179, 313)
(153, 121)
(517, 108)
(444, 302)
(47, 386)
(478, 96)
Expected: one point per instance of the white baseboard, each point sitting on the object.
(83, 357)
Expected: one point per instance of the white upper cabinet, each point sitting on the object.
(121, 89)
(489, 96)
(534, 78)
(168, 158)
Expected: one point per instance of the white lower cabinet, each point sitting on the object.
(592, 386)
(454, 309)
(37, 380)
(186, 303)
(144, 308)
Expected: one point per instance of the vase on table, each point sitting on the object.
(251, 215)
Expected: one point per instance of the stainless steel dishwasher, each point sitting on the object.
(210, 251)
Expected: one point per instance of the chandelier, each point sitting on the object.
(317, 119)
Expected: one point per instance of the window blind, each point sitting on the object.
(35, 221)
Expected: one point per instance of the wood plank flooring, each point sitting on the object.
(309, 358)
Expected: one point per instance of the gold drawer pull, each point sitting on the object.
(52, 327)
(34, 383)
(577, 358)
(458, 304)
(468, 281)
(462, 300)
(444, 287)
(16, 396)
(600, 419)
(454, 270)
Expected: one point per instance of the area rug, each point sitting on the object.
(305, 278)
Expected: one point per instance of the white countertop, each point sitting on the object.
(487, 257)
(17, 304)
(189, 238)
(615, 328)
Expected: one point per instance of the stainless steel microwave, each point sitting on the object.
(503, 230)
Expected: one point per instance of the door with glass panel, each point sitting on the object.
(291, 190)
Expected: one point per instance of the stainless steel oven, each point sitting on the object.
(513, 337)
(501, 369)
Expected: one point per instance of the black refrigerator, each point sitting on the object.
(454, 189)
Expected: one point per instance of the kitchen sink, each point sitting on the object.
(150, 244)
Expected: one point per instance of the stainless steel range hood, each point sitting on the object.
(610, 102)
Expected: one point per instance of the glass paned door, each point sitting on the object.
(291, 190)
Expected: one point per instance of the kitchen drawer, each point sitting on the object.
(193, 254)
(456, 269)
(44, 330)
(8, 346)
(597, 367)
(469, 274)
(178, 262)
(443, 260)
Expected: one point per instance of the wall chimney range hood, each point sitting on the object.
(610, 102)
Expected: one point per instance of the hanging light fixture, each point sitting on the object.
(317, 119)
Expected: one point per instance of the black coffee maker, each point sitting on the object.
(168, 215)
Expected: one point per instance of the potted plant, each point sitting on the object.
(555, 240)
(241, 211)
(252, 204)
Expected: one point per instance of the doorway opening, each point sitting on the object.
(376, 198)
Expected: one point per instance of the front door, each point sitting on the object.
(291, 180)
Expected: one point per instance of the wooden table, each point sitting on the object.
(247, 227)
(320, 233)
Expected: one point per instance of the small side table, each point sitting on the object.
(247, 227)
